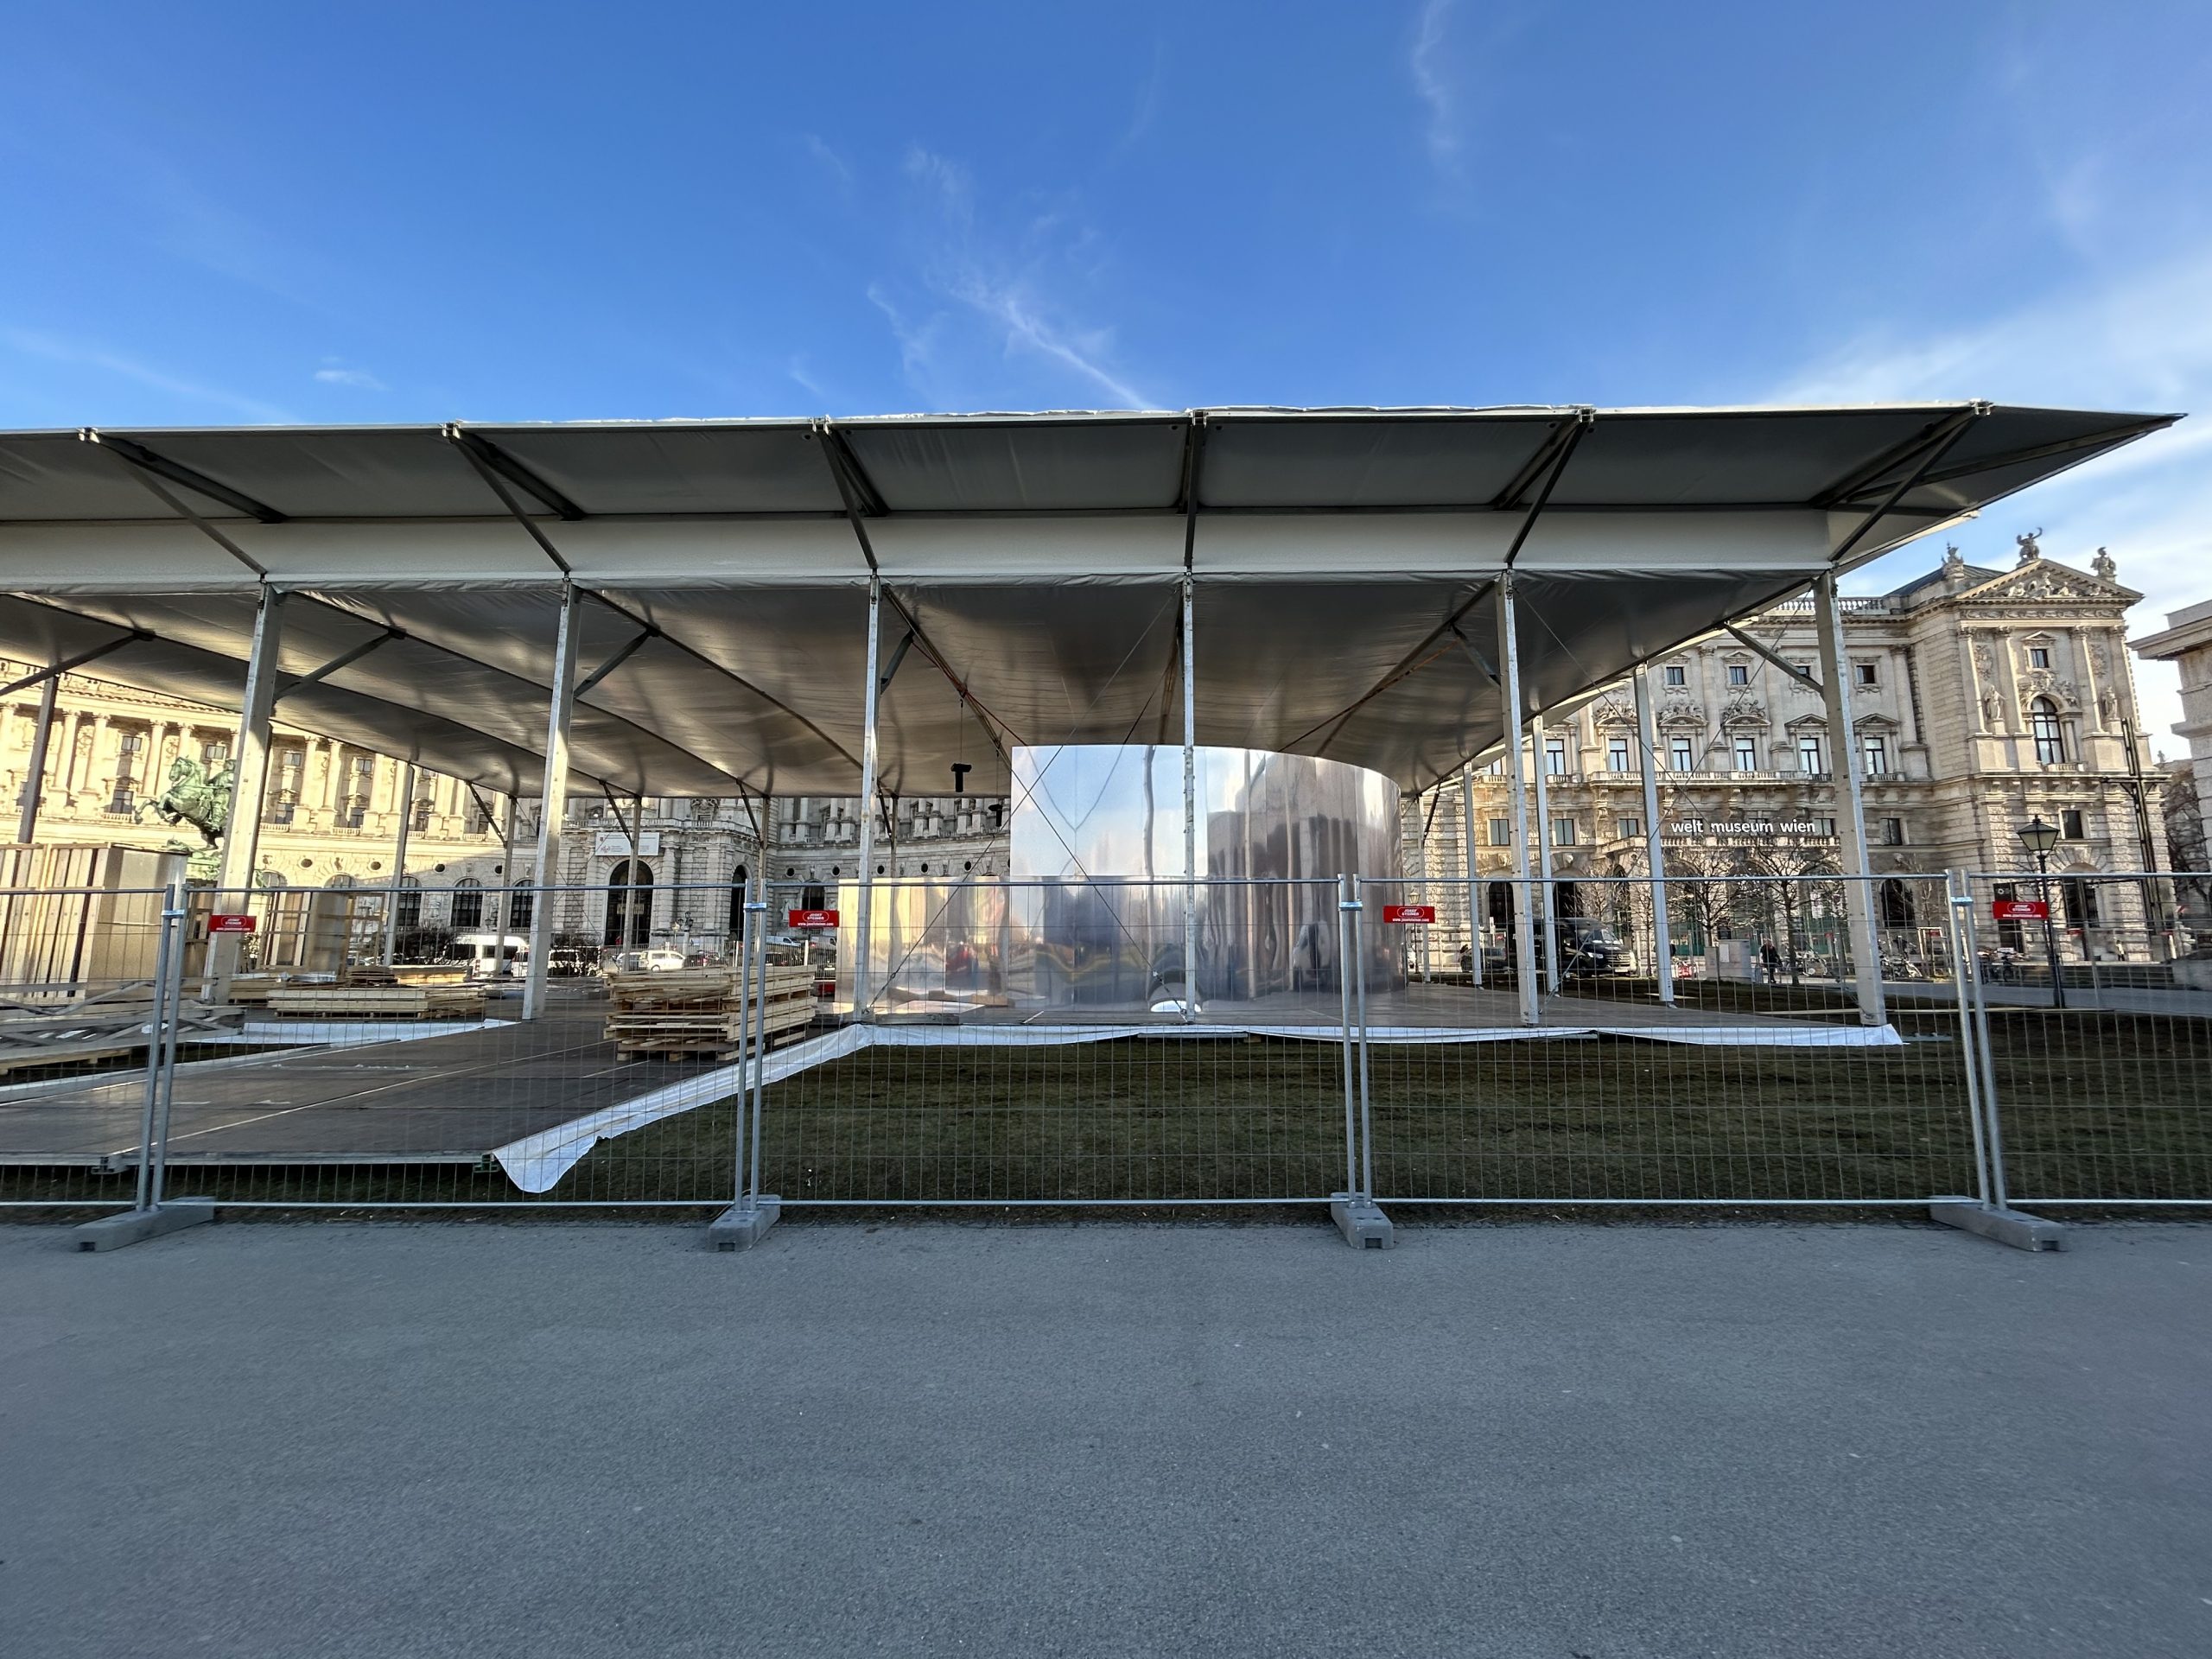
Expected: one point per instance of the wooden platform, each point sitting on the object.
(697, 1013)
(379, 1001)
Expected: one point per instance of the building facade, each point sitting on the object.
(332, 818)
(1981, 699)
(2186, 641)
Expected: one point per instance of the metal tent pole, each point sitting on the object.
(1524, 941)
(1540, 758)
(637, 863)
(1467, 862)
(249, 786)
(35, 773)
(554, 804)
(863, 938)
(1646, 738)
(506, 917)
(1190, 816)
(1345, 968)
(1851, 820)
(399, 861)
(762, 915)
(748, 994)
(157, 1031)
(1421, 872)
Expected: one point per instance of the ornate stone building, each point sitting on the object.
(1981, 699)
(332, 818)
(2186, 641)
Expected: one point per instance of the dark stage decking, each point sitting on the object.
(447, 1099)
(454, 1098)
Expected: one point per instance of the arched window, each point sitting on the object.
(342, 881)
(630, 905)
(2049, 735)
(737, 898)
(268, 879)
(521, 905)
(410, 902)
(467, 904)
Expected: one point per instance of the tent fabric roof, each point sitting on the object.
(1346, 562)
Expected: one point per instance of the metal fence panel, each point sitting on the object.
(1037, 1043)
(1756, 1082)
(83, 972)
(1047, 1044)
(2102, 1071)
(364, 1047)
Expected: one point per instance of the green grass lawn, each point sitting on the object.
(2096, 1106)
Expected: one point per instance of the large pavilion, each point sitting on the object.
(855, 607)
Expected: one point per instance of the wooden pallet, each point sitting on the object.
(254, 990)
(379, 1001)
(699, 1014)
(410, 973)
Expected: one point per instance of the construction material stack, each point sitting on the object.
(699, 1013)
(379, 1001)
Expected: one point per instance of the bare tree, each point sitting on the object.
(1784, 891)
(2186, 849)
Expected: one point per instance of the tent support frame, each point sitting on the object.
(554, 804)
(1655, 857)
(1524, 938)
(1540, 759)
(863, 939)
(1851, 820)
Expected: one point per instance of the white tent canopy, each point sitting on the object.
(1344, 564)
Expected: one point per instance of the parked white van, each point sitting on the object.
(483, 952)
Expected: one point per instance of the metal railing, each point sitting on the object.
(993, 1043)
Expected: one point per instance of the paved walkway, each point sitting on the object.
(501, 1440)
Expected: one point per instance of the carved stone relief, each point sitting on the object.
(1993, 701)
(2037, 682)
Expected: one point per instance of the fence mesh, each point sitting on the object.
(1758, 1082)
(1041, 1043)
(2099, 1022)
(991, 1042)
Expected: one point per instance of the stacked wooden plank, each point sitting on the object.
(110, 1026)
(405, 972)
(254, 990)
(697, 1013)
(379, 1001)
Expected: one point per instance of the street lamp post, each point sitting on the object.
(2039, 838)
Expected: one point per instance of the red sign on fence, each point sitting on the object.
(220, 922)
(813, 918)
(1425, 914)
(2021, 909)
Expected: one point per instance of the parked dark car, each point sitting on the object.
(1586, 948)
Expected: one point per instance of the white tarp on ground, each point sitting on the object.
(537, 1162)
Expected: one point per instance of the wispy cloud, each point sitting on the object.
(2138, 339)
(918, 338)
(93, 354)
(829, 160)
(1433, 86)
(1147, 107)
(797, 370)
(1005, 284)
(360, 380)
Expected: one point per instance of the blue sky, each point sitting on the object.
(402, 213)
